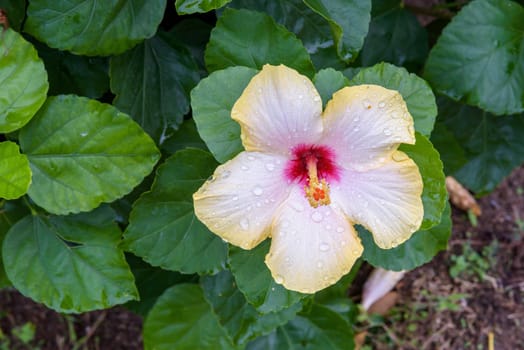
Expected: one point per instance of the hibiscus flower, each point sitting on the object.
(307, 176)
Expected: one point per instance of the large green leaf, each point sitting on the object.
(254, 280)
(415, 91)
(264, 42)
(15, 174)
(91, 27)
(212, 100)
(478, 148)
(69, 263)
(73, 74)
(418, 250)
(328, 81)
(186, 7)
(478, 58)
(152, 84)
(349, 21)
(321, 328)
(10, 213)
(151, 283)
(434, 195)
(194, 34)
(163, 228)
(23, 80)
(239, 318)
(83, 153)
(395, 36)
(183, 320)
(185, 137)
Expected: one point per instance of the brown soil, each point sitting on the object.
(483, 303)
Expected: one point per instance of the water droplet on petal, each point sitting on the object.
(381, 105)
(251, 158)
(316, 216)
(356, 119)
(285, 223)
(300, 97)
(244, 167)
(367, 104)
(226, 174)
(257, 191)
(316, 98)
(387, 132)
(324, 247)
(340, 229)
(328, 227)
(356, 252)
(297, 206)
(270, 166)
(244, 224)
(356, 129)
(320, 264)
(235, 198)
(343, 243)
(279, 279)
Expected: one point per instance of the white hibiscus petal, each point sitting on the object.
(278, 109)
(239, 202)
(311, 249)
(366, 123)
(386, 200)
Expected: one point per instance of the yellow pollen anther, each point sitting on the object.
(317, 192)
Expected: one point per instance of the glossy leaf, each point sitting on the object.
(83, 153)
(90, 27)
(73, 74)
(151, 283)
(415, 91)
(254, 280)
(182, 319)
(237, 316)
(69, 263)
(152, 84)
(163, 228)
(490, 147)
(321, 328)
(212, 100)
(264, 42)
(478, 57)
(395, 36)
(349, 21)
(418, 250)
(10, 213)
(434, 195)
(185, 137)
(15, 174)
(186, 7)
(327, 81)
(194, 35)
(23, 79)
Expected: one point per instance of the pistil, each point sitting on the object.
(317, 192)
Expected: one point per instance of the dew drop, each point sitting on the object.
(367, 104)
(355, 252)
(340, 229)
(300, 97)
(381, 105)
(387, 132)
(272, 289)
(356, 129)
(297, 206)
(328, 227)
(316, 216)
(251, 158)
(285, 223)
(316, 98)
(343, 243)
(84, 134)
(235, 198)
(244, 167)
(279, 279)
(257, 191)
(270, 166)
(323, 247)
(226, 174)
(320, 264)
(356, 119)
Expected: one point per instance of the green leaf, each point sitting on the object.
(322, 329)
(297, 17)
(264, 42)
(73, 74)
(415, 91)
(15, 174)
(83, 153)
(163, 228)
(240, 319)
(418, 250)
(10, 213)
(254, 280)
(182, 319)
(15, 10)
(151, 283)
(349, 21)
(478, 57)
(152, 84)
(75, 263)
(491, 147)
(186, 7)
(434, 194)
(194, 35)
(395, 36)
(90, 27)
(212, 100)
(327, 81)
(23, 80)
(185, 137)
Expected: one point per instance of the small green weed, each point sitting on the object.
(471, 264)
